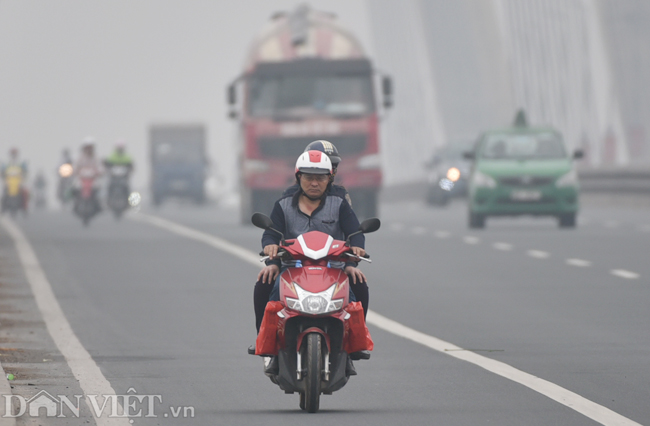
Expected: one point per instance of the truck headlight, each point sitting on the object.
(567, 179)
(483, 180)
(314, 303)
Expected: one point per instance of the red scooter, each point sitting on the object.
(313, 331)
(86, 203)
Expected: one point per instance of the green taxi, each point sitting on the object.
(522, 170)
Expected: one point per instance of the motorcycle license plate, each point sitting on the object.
(526, 195)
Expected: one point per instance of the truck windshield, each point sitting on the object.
(177, 152)
(301, 95)
(530, 146)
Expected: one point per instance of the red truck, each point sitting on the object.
(307, 78)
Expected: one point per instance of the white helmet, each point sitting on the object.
(314, 162)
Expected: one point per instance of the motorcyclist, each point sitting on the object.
(330, 149)
(313, 207)
(64, 171)
(119, 157)
(88, 163)
(40, 185)
(13, 164)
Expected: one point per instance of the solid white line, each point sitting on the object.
(538, 254)
(600, 414)
(471, 240)
(91, 380)
(502, 246)
(578, 262)
(208, 239)
(625, 274)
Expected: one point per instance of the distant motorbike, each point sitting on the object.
(86, 203)
(64, 188)
(118, 189)
(314, 331)
(15, 197)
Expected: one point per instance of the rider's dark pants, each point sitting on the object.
(262, 294)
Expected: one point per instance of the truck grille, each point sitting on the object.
(292, 147)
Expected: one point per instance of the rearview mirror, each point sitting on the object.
(261, 220)
(370, 225)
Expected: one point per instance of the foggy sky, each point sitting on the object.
(73, 68)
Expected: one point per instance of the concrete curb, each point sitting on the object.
(5, 389)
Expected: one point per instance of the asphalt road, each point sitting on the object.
(170, 316)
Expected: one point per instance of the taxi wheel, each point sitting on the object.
(476, 220)
(567, 220)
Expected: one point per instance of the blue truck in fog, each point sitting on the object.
(179, 162)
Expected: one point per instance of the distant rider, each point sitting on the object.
(88, 166)
(119, 157)
(15, 167)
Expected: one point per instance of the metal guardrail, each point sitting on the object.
(628, 181)
(604, 181)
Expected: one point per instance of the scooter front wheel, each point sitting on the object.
(314, 369)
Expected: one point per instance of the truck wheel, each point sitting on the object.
(476, 220)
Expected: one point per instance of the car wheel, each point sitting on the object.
(567, 220)
(476, 220)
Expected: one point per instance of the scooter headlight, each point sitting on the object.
(314, 303)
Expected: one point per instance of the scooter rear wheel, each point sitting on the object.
(314, 369)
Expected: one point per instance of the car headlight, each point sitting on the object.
(314, 303)
(453, 174)
(568, 179)
(483, 180)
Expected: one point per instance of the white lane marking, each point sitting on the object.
(419, 230)
(538, 254)
(578, 262)
(396, 226)
(91, 380)
(598, 413)
(471, 240)
(442, 234)
(208, 239)
(502, 246)
(565, 397)
(625, 274)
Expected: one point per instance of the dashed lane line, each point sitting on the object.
(442, 234)
(598, 413)
(538, 254)
(91, 380)
(625, 274)
(471, 240)
(419, 230)
(502, 246)
(581, 263)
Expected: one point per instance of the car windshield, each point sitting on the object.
(297, 95)
(529, 146)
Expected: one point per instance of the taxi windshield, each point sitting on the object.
(523, 146)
